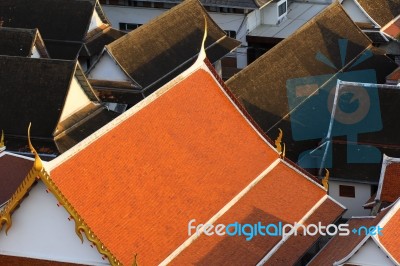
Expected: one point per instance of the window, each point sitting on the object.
(347, 191)
(281, 9)
(129, 26)
(231, 33)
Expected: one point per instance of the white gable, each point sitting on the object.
(95, 22)
(76, 100)
(35, 52)
(355, 12)
(42, 230)
(107, 69)
(370, 254)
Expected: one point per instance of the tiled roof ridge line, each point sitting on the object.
(80, 224)
(239, 107)
(221, 212)
(265, 259)
(120, 119)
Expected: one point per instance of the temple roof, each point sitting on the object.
(160, 50)
(20, 42)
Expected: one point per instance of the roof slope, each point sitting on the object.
(382, 11)
(389, 183)
(251, 4)
(33, 90)
(20, 261)
(17, 42)
(96, 45)
(13, 170)
(161, 49)
(341, 246)
(283, 195)
(390, 233)
(262, 86)
(56, 19)
(187, 152)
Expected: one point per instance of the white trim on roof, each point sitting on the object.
(264, 260)
(365, 12)
(221, 212)
(16, 155)
(385, 162)
(382, 30)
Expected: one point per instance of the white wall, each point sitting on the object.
(35, 52)
(370, 254)
(353, 205)
(356, 14)
(42, 230)
(95, 22)
(107, 69)
(76, 100)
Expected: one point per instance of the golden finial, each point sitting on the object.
(38, 165)
(2, 140)
(135, 260)
(278, 144)
(202, 54)
(325, 180)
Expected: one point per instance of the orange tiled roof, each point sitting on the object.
(391, 235)
(341, 246)
(182, 154)
(391, 183)
(282, 195)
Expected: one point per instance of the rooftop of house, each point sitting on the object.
(294, 198)
(20, 42)
(381, 11)
(277, 88)
(15, 260)
(174, 152)
(392, 29)
(158, 51)
(389, 183)
(298, 14)
(341, 248)
(13, 170)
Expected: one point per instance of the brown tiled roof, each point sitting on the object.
(382, 11)
(283, 195)
(16, 42)
(153, 165)
(21, 261)
(107, 36)
(33, 90)
(341, 246)
(262, 86)
(161, 49)
(13, 169)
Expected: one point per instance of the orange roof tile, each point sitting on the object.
(392, 29)
(282, 195)
(341, 246)
(391, 234)
(391, 183)
(184, 152)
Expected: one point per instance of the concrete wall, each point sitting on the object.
(353, 205)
